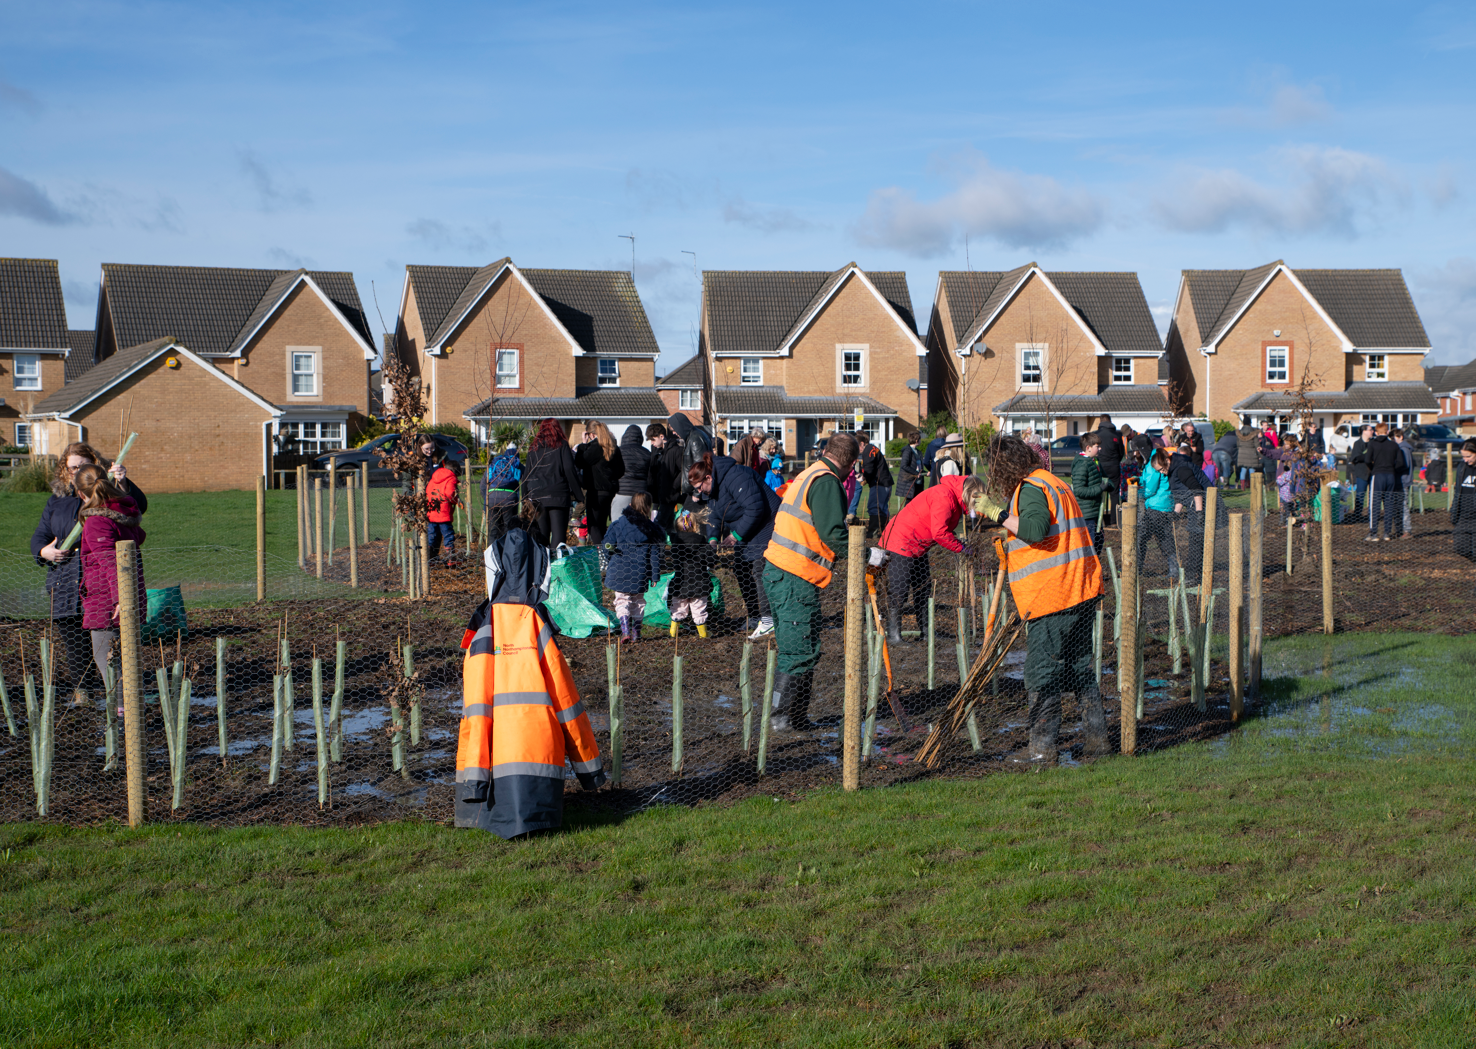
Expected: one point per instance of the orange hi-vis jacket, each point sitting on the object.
(1061, 571)
(521, 717)
(796, 546)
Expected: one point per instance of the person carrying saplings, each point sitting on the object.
(1056, 582)
(633, 545)
(1088, 484)
(521, 715)
(808, 530)
(927, 520)
(692, 563)
(440, 502)
(1463, 502)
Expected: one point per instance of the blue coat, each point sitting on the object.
(634, 545)
(742, 505)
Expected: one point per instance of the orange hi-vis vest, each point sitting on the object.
(1061, 571)
(796, 546)
(521, 717)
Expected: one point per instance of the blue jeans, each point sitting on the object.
(1388, 503)
(855, 499)
(878, 509)
(438, 532)
(1360, 489)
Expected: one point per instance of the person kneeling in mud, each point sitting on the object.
(521, 713)
(1056, 581)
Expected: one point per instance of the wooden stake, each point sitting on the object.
(1254, 567)
(128, 633)
(1207, 571)
(332, 504)
(1327, 558)
(1128, 612)
(318, 523)
(220, 697)
(261, 539)
(676, 713)
(353, 535)
(364, 488)
(1237, 612)
(855, 613)
(617, 717)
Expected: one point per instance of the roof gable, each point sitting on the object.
(688, 373)
(759, 312)
(276, 296)
(32, 313)
(1109, 307)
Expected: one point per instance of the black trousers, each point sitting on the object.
(909, 575)
(751, 585)
(1158, 524)
(553, 526)
(1465, 542)
(597, 514)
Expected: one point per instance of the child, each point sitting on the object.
(688, 591)
(1157, 518)
(633, 543)
(440, 498)
(108, 517)
(1088, 485)
(774, 475)
(500, 488)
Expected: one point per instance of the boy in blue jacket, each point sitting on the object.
(633, 544)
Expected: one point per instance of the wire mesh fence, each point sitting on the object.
(328, 704)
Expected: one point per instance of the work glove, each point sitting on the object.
(987, 507)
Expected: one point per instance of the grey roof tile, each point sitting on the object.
(1358, 397)
(775, 402)
(1217, 283)
(32, 313)
(688, 373)
(207, 307)
(101, 376)
(756, 311)
(1450, 377)
(629, 403)
(1110, 303)
(1114, 400)
(82, 357)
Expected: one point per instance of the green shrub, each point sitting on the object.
(456, 433)
(34, 476)
(372, 429)
(1223, 426)
(895, 446)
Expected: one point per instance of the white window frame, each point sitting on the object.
(1285, 352)
(602, 379)
(498, 374)
(310, 438)
(1022, 349)
(30, 378)
(1468, 402)
(689, 400)
(751, 371)
(737, 429)
(1400, 419)
(24, 435)
(314, 354)
(1117, 379)
(863, 350)
(1376, 372)
(1039, 423)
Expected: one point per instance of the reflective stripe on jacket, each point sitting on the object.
(1061, 571)
(796, 546)
(521, 717)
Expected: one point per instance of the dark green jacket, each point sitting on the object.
(1087, 486)
(828, 509)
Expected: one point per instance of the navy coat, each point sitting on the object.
(634, 544)
(743, 505)
(64, 579)
(637, 462)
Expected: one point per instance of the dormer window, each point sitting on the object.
(1377, 368)
(609, 374)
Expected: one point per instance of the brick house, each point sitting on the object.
(1050, 352)
(296, 338)
(684, 388)
(801, 352)
(198, 428)
(1242, 341)
(500, 344)
(34, 345)
(1454, 388)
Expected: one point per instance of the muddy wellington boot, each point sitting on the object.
(894, 627)
(789, 704)
(1045, 725)
(1094, 741)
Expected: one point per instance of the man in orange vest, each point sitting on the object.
(1056, 582)
(809, 529)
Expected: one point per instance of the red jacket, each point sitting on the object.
(440, 494)
(102, 530)
(929, 518)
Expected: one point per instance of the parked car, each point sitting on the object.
(1064, 451)
(1436, 437)
(374, 452)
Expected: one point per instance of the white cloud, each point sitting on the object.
(1017, 209)
(1320, 190)
(24, 199)
(271, 193)
(1446, 298)
(763, 218)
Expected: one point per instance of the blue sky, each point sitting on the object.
(1147, 137)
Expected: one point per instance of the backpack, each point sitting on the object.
(503, 471)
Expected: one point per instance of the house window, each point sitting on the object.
(739, 428)
(1278, 363)
(23, 435)
(304, 373)
(751, 372)
(315, 438)
(1122, 369)
(1040, 424)
(507, 370)
(1468, 402)
(852, 368)
(1377, 368)
(1032, 364)
(609, 374)
(689, 399)
(1392, 418)
(28, 371)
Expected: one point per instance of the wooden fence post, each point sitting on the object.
(1128, 647)
(301, 519)
(261, 539)
(318, 523)
(855, 610)
(1207, 570)
(128, 640)
(1237, 614)
(332, 505)
(1255, 566)
(364, 488)
(1327, 558)
(353, 535)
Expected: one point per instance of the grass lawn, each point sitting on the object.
(1305, 882)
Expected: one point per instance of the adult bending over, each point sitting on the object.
(741, 510)
(926, 521)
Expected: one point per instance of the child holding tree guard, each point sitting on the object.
(440, 499)
(687, 593)
(633, 543)
(109, 516)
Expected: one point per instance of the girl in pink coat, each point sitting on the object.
(108, 517)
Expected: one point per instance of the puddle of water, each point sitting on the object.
(1015, 660)
(726, 702)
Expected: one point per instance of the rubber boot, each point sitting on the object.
(625, 632)
(789, 704)
(894, 627)
(1094, 741)
(701, 629)
(673, 628)
(1045, 724)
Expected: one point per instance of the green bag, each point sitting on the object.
(166, 614)
(1337, 506)
(574, 594)
(658, 612)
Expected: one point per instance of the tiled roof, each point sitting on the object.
(1358, 397)
(1435, 376)
(1113, 400)
(1372, 308)
(1111, 304)
(688, 373)
(101, 376)
(600, 308)
(1445, 378)
(757, 311)
(209, 307)
(84, 346)
(32, 314)
(640, 402)
(773, 401)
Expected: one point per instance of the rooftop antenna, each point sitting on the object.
(632, 238)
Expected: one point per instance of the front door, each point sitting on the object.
(807, 433)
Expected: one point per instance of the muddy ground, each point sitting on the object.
(1416, 584)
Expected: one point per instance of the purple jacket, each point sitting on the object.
(102, 530)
